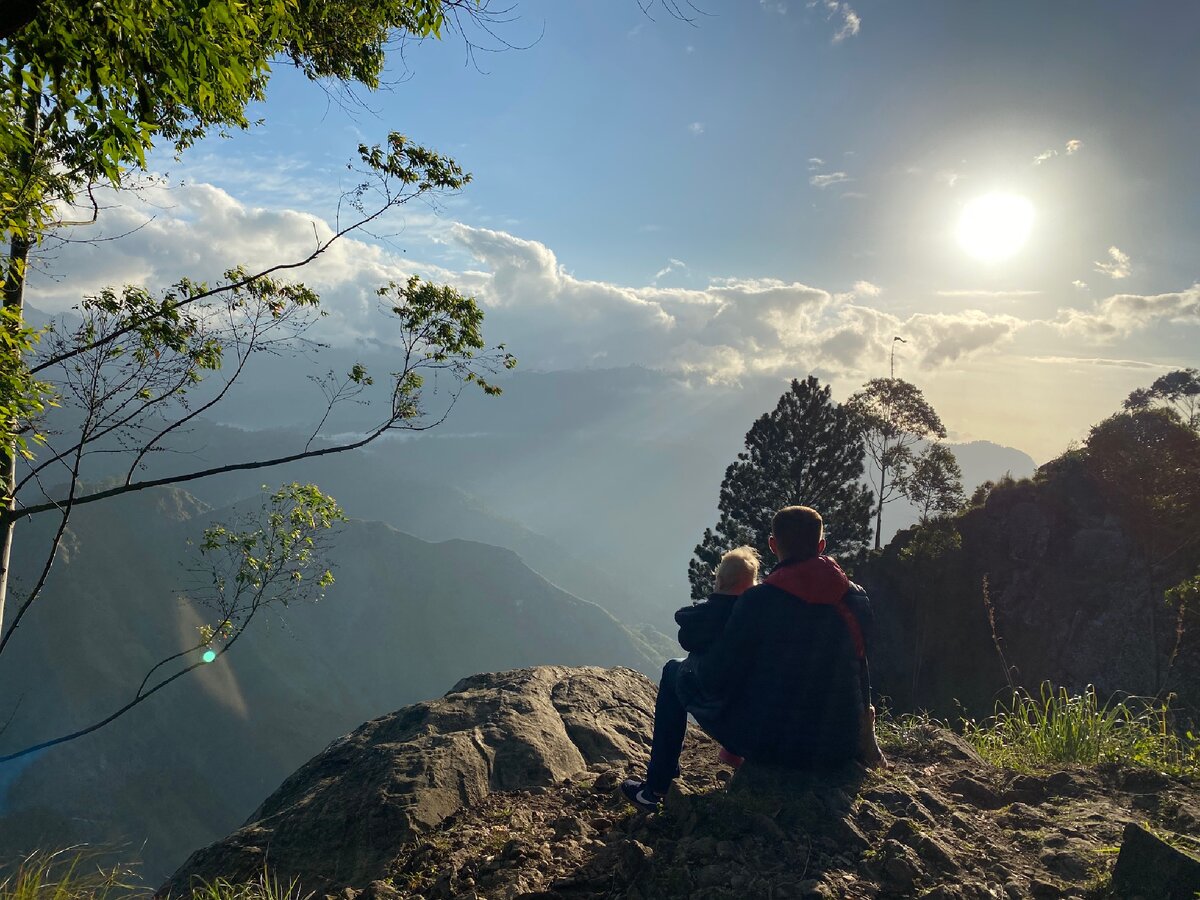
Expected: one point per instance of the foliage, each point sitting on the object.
(22, 397)
(87, 89)
(69, 874)
(933, 483)
(1058, 727)
(131, 370)
(1179, 390)
(1147, 463)
(806, 451)
(267, 886)
(275, 559)
(893, 415)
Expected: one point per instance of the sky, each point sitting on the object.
(772, 188)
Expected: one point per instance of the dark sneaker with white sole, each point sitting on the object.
(641, 796)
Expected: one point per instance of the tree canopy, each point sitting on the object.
(806, 451)
(893, 415)
(1180, 390)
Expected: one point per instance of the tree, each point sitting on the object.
(86, 89)
(1179, 389)
(806, 451)
(130, 370)
(893, 415)
(933, 483)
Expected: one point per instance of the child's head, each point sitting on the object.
(737, 571)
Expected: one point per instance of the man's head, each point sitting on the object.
(797, 532)
(737, 571)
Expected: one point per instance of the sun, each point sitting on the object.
(995, 226)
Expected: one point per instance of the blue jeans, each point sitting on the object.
(670, 725)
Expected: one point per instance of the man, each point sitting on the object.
(784, 682)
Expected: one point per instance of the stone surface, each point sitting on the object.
(1149, 867)
(341, 817)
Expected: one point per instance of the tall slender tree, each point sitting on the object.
(893, 415)
(806, 451)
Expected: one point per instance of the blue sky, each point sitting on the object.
(772, 188)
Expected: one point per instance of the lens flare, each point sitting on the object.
(209, 655)
(995, 226)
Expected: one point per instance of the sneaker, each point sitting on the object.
(641, 796)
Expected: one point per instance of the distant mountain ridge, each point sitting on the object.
(402, 620)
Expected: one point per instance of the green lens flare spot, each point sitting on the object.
(209, 656)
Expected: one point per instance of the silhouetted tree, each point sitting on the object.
(1179, 389)
(933, 483)
(893, 415)
(808, 451)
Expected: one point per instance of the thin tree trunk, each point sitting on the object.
(14, 292)
(14, 298)
(879, 506)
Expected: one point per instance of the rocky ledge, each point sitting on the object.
(506, 788)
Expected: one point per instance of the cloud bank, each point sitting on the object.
(551, 318)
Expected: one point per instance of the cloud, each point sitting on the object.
(1100, 361)
(727, 329)
(1073, 146)
(972, 292)
(814, 163)
(1123, 314)
(851, 22)
(696, 128)
(1082, 285)
(673, 265)
(824, 181)
(1117, 266)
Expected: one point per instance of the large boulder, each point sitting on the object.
(340, 820)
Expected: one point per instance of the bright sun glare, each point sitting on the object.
(995, 226)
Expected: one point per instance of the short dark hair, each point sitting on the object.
(798, 531)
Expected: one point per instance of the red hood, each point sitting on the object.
(816, 580)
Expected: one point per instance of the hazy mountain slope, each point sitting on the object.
(402, 621)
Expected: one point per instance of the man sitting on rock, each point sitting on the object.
(783, 682)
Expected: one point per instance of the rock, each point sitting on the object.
(936, 854)
(975, 792)
(1150, 867)
(340, 818)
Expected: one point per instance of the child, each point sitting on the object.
(702, 622)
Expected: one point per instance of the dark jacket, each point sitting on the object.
(701, 623)
(781, 684)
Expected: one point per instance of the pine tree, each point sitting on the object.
(807, 451)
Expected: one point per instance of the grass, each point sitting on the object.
(1057, 727)
(78, 873)
(74, 873)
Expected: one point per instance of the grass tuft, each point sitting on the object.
(73, 873)
(265, 887)
(1058, 727)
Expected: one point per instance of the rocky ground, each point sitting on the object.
(940, 823)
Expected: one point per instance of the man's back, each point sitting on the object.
(789, 675)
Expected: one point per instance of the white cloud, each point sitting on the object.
(696, 128)
(1082, 285)
(1045, 155)
(1074, 146)
(814, 163)
(673, 265)
(824, 181)
(1117, 265)
(1123, 314)
(553, 319)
